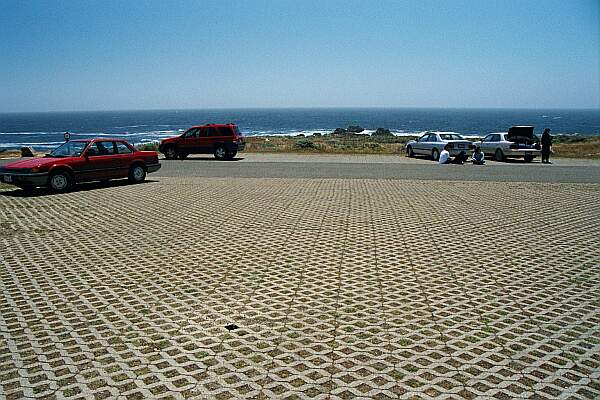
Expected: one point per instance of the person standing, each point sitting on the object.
(546, 146)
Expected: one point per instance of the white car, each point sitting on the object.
(432, 143)
(518, 142)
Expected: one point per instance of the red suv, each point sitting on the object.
(222, 140)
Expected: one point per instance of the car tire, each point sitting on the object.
(409, 152)
(221, 153)
(499, 155)
(528, 158)
(137, 173)
(60, 182)
(435, 154)
(170, 152)
(182, 156)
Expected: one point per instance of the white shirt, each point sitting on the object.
(444, 156)
(481, 155)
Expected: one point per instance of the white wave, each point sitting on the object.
(32, 133)
(32, 144)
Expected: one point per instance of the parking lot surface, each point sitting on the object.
(195, 287)
(336, 166)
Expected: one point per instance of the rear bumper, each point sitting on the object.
(21, 179)
(522, 152)
(455, 152)
(153, 167)
(235, 146)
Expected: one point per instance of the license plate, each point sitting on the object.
(7, 178)
(461, 146)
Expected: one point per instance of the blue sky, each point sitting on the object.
(111, 55)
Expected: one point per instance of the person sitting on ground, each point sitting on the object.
(478, 157)
(445, 156)
(446, 159)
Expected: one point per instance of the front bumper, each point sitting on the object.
(153, 167)
(24, 179)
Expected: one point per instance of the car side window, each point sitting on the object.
(212, 131)
(488, 138)
(122, 148)
(224, 131)
(423, 138)
(105, 148)
(495, 138)
(192, 133)
(433, 138)
(203, 132)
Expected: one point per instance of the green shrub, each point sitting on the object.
(305, 144)
(147, 147)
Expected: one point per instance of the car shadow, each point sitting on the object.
(80, 187)
(515, 161)
(188, 158)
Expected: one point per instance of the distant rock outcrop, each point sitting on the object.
(355, 129)
(26, 151)
(382, 132)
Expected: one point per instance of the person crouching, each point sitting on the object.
(478, 158)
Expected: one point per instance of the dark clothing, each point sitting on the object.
(546, 139)
(546, 144)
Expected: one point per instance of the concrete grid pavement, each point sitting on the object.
(341, 288)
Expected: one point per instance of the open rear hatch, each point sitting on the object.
(522, 137)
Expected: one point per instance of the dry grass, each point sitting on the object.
(566, 147)
(355, 144)
(587, 149)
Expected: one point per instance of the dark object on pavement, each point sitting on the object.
(26, 152)
(231, 327)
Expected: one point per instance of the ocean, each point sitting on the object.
(45, 130)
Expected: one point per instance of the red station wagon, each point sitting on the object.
(222, 140)
(81, 161)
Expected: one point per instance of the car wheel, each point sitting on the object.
(170, 153)
(220, 153)
(528, 158)
(499, 155)
(60, 181)
(409, 152)
(182, 156)
(435, 154)
(137, 173)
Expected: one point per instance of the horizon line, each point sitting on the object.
(305, 108)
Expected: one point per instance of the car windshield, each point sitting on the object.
(69, 149)
(451, 136)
